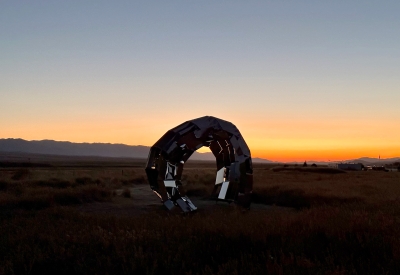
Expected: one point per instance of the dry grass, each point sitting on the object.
(345, 223)
(39, 188)
(372, 187)
(320, 170)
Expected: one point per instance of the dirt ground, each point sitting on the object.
(143, 201)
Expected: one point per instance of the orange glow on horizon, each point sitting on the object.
(328, 155)
(277, 140)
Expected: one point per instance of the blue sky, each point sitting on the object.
(139, 68)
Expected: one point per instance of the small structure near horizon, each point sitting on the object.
(350, 166)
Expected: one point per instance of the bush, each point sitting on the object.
(126, 193)
(54, 183)
(21, 174)
(297, 198)
(83, 181)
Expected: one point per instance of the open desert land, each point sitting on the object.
(67, 215)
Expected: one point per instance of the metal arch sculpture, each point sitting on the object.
(234, 180)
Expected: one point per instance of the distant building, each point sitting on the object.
(394, 167)
(350, 166)
(379, 168)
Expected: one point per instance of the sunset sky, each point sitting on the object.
(302, 80)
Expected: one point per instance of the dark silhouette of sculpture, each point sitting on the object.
(234, 180)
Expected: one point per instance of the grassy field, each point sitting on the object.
(302, 221)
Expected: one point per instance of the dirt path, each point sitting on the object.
(143, 200)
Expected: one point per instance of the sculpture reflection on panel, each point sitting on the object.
(234, 179)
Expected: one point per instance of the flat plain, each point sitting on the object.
(65, 215)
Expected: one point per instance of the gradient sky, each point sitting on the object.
(302, 80)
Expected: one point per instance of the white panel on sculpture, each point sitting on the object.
(220, 176)
(169, 183)
(224, 188)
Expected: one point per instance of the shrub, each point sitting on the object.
(83, 181)
(289, 198)
(54, 183)
(126, 193)
(21, 174)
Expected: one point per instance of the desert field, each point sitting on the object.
(66, 215)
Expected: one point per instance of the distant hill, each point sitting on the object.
(364, 160)
(374, 161)
(260, 160)
(66, 148)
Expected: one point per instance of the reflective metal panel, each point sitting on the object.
(224, 188)
(220, 176)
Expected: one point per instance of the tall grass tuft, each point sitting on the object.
(21, 174)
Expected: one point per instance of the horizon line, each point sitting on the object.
(254, 157)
